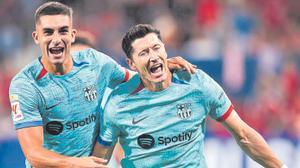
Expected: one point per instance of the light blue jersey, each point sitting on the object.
(66, 106)
(165, 128)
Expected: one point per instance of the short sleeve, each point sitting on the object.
(24, 101)
(218, 102)
(108, 130)
(119, 75)
(116, 74)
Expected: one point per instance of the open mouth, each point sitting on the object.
(56, 50)
(156, 69)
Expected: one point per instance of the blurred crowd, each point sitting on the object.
(241, 39)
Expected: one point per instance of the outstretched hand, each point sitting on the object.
(178, 63)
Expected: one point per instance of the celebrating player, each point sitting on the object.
(56, 99)
(159, 116)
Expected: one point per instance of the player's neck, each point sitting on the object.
(58, 69)
(156, 87)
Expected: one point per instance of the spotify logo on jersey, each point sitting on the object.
(145, 141)
(54, 127)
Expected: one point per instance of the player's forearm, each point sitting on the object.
(256, 147)
(102, 152)
(41, 158)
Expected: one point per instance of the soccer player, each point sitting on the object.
(56, 99)
(159, 116)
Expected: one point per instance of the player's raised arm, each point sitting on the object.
(251, 142)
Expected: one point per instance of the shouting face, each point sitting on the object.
(149, 59)
(54, 35)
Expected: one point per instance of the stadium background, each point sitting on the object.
(251, 47)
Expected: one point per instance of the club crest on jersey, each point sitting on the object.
(90, 93)
(184, 110)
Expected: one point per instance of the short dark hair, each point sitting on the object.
(53, 8)
(136, 32)
(82, 41)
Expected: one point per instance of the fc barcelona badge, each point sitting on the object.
(184, 110)
(90, 93)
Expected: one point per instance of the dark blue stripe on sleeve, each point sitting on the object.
(102, 142)
(28, 124)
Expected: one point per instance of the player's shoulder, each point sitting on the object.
(125, 89)
(90, 56)
(117, 99)
(28, 74)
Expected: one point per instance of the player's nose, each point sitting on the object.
(56, 38)
(153, 57)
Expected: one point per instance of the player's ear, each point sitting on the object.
(131, 64)
(35, 37)
(73, 34)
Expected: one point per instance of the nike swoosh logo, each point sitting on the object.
(54, 105)
(135, 121)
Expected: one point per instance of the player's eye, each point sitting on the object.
(64, 31)
(48, 32)
(143, 53)
(156, 47)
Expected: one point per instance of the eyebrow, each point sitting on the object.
(51, 29)
(146, 49)
(156, 44)
(47, 29)
(64, 27)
